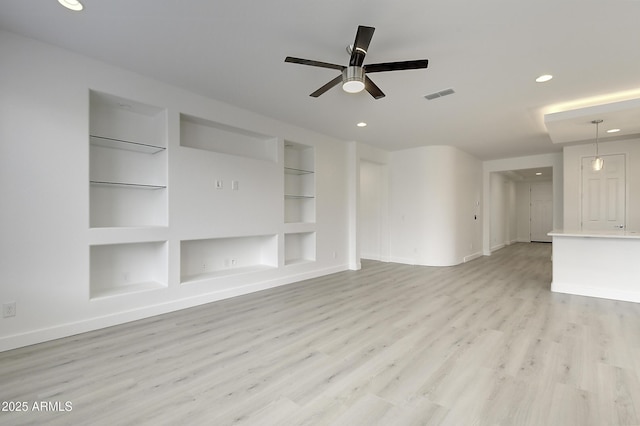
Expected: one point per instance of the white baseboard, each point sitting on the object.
(375, 257)
(403, 260)
(69, 329)
(371, 257)
(497, 247)
(470, 257)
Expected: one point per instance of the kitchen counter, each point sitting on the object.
(597, 264)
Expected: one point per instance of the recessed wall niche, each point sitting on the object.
(128, 163)
(212, 136)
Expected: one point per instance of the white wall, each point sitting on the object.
(44, 173)
(435, 194)
(572, 177)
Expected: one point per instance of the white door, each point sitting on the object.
(541, 211)
(603, 194)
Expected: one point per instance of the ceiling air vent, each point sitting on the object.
(436, 95)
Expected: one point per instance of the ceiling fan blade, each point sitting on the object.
(361, 45)
(373, 90)
(396, 66)
(327, 86)
(314, 63)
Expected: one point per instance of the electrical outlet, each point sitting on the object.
(8, 309)
(204, 267)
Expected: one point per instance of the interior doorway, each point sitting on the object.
(541, 211)
(373, 220)
(529, 209)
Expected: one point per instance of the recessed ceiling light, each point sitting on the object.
(361, 124)
(72, 4)
(613, 130)
(544, 78)
(538, 173)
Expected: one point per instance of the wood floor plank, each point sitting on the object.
(482, 343)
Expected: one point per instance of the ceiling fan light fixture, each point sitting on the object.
(353, 79)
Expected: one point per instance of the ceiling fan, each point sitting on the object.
(354, 76)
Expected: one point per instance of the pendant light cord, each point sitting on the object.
(597, 123)
(597, 134)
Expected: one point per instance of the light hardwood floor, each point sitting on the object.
(484, 343)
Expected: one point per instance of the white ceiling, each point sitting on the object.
(488, 51)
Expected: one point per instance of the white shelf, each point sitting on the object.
(124, 145)
(296, 196)
(99, 293)
(298, 261)
(121, 235)
(127, 185)
(299, 227)
(296, 172)
(128, 163)
(118, 269)
(225, 273)
(300, 247)
(217, 257)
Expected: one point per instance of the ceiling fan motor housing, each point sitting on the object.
(353, 79)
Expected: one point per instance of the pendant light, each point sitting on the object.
(597, 162)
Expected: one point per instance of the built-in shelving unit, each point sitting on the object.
(299, 183)
(129, 238)
(118, 269)
(300, 247)
(221, 257)
(209, 135)
(127, 194)
(127, 159)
